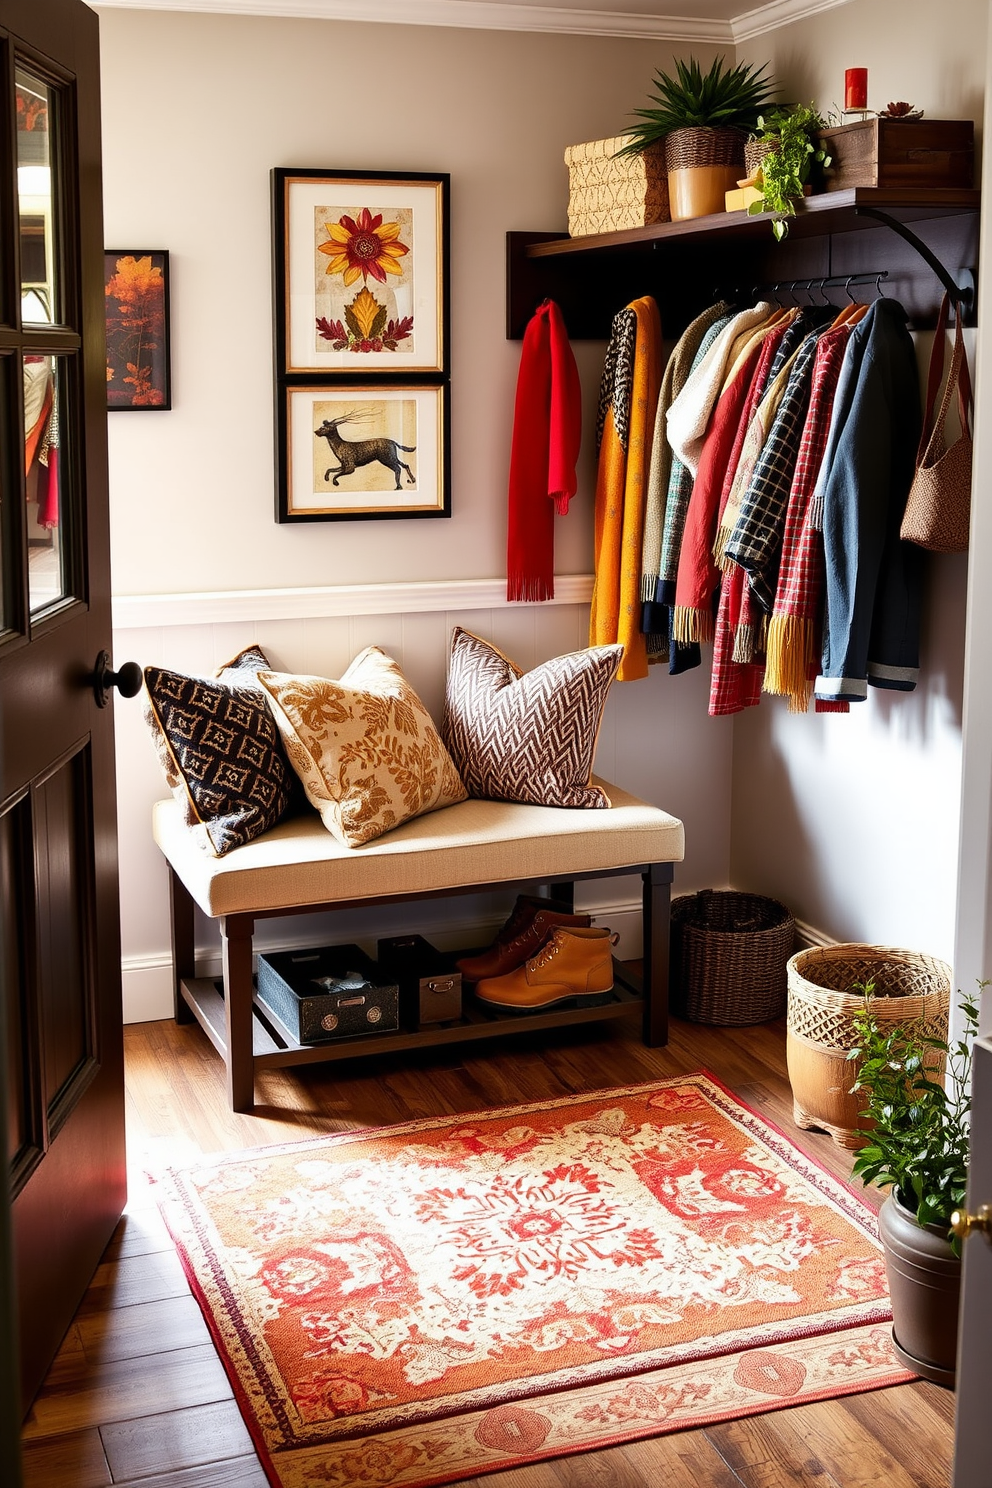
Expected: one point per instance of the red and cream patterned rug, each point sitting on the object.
(422, 1303)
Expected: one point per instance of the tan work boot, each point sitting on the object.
(577, 962)
(528, 927)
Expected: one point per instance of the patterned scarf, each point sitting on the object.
(793, 630)
(756, 541)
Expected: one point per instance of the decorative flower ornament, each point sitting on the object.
(363, 247)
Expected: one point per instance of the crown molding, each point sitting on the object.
(142, 611)
(487, 15)
(504, 15)
(777, 14)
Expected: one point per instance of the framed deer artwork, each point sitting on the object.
(361, 344)
(365, 450)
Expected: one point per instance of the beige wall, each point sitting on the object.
(854, 821)
(197, 109)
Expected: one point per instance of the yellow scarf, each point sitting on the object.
(621, 487)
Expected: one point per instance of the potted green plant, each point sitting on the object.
(917, 1147)
(791, 153)
(704, 119)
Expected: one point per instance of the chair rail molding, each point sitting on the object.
(144, 611)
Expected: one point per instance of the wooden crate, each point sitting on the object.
(607, 193)
(900, 152)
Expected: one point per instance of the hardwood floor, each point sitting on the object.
(138, 1395)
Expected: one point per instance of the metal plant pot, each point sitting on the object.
(925, 1284)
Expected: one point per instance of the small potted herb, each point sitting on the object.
(917, 1147)
(792, 151)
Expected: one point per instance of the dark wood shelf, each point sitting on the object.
(273, 1045)
(685, 265)
(831, 211)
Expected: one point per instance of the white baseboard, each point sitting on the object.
(147, 980)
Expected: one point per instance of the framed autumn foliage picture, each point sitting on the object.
(361, 272)
(136, 285)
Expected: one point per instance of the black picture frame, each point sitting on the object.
(361, 343)
(139, 355)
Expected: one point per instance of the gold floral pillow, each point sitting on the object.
(365, 747)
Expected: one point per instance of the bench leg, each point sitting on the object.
(563, 891)
(183, 957)
(656, 905)
(236, 933)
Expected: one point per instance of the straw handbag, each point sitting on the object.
(938, 507)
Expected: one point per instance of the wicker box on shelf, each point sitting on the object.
(729, 955)
(909, 989)
(607, 192)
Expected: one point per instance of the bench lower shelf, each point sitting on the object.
(273, 1046)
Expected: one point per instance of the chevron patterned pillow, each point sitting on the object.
(220, 750)
(364, 746)
(528, 737)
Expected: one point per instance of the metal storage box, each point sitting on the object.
(331, 993)
(430, 987)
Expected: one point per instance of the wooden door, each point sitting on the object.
(59, 927)
(972, 1450)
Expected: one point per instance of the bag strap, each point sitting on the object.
(932, 441)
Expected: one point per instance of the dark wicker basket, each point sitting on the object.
(686, 148)
(730, 951)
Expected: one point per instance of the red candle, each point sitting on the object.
(856, 88)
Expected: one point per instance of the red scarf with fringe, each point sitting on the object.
(547, 430)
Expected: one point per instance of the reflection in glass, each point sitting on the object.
(43, 464)
(36, 198)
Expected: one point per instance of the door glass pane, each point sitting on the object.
(45, 465)
(39, 305)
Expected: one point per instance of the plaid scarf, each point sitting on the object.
(755, 543)
(793, 630)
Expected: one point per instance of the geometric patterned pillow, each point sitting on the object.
(220, 750)
(527, 737)
(364, 746)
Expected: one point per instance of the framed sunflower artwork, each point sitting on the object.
(361, 272)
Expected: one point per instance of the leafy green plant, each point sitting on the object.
(919, 1141)
(720, 98)
(787, 167)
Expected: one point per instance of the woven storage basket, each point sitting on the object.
(755, 152)
(688, 149)
(910, 989)
(608, 192)
(729, 954)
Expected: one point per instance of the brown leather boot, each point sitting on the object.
(528, 927)
(577, 962)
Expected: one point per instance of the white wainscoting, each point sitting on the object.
(655, 741)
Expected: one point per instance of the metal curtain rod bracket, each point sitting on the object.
(959, 294)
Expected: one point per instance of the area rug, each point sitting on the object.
(423, 1303)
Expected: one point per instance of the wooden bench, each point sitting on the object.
(299, 868)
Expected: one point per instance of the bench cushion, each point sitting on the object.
(298, 863)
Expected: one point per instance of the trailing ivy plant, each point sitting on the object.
(919, 1141)
(787, 166)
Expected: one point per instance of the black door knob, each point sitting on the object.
(127, 680)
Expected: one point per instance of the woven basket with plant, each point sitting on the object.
(825, 1000)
